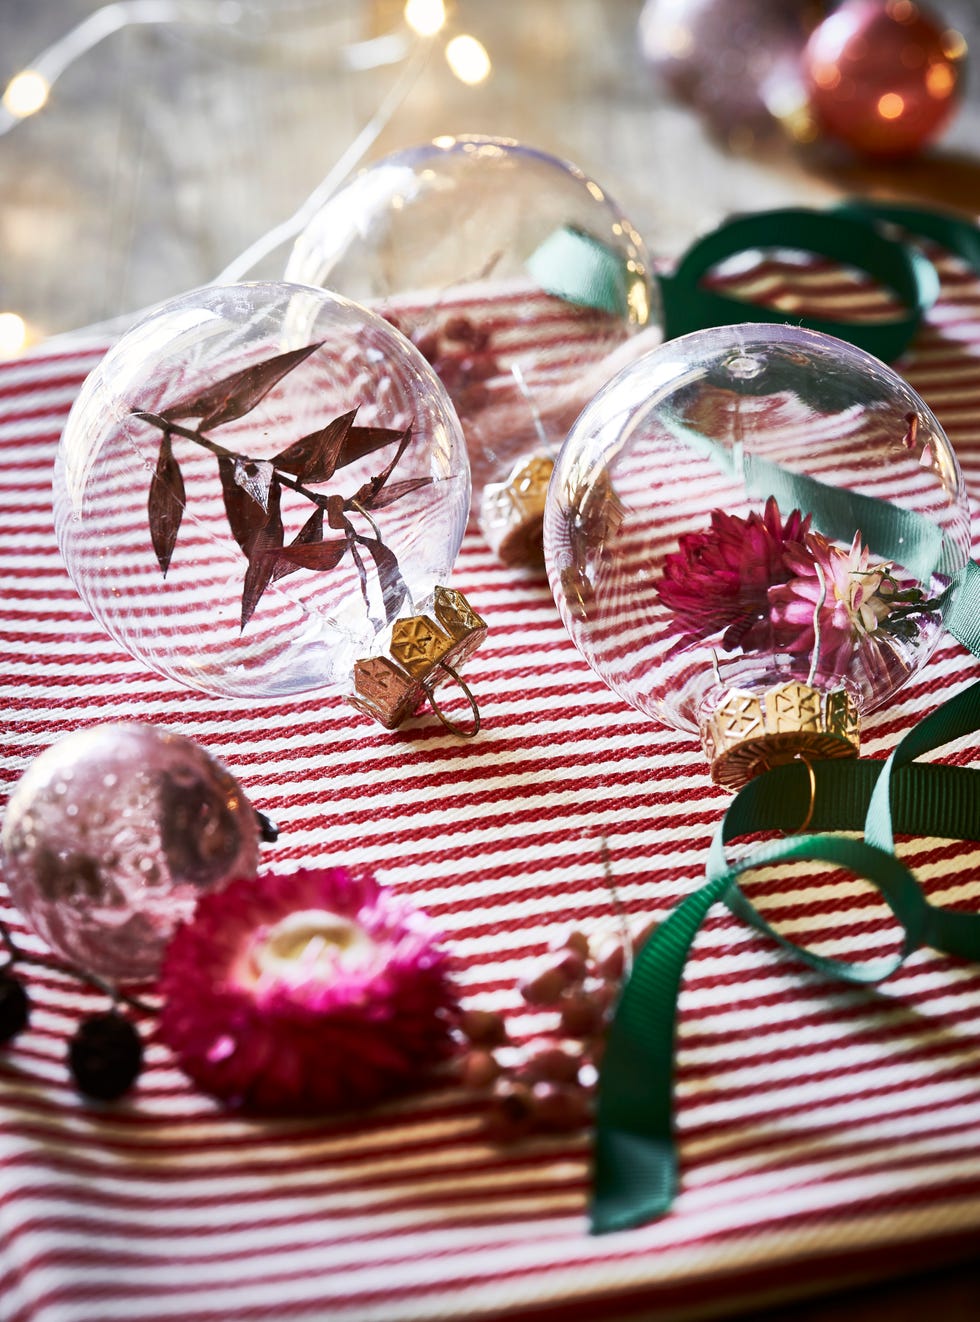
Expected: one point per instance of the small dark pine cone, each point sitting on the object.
(105, 1056)
(14, 1006)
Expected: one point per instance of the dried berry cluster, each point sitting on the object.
(459, 353)
(547, 1085)
(105, 1054)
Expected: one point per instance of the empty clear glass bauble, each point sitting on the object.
(515, 275)
(254, 483)
(755, 532)
(111, 835)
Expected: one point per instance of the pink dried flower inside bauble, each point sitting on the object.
(309, 992)
(720, 579)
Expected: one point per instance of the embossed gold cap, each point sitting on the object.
(747, 733)
(512, 511)
(423, 653)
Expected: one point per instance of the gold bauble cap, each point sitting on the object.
(746, 733)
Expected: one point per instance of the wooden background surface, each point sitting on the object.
(171, 146)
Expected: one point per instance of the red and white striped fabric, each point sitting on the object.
(826, 1132)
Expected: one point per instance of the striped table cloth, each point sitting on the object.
(826, 1132)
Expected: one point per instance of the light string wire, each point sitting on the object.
(344, 166)
(28, 90)
(400, 45)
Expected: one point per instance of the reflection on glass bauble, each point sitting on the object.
(514, 274)
(755, 532)
(255, 483)
(111, 835)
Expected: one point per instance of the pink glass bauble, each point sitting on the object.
(735, 61)
(110, 836)
(883, 78)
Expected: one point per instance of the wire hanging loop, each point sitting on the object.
(451, 725)
(803, 826)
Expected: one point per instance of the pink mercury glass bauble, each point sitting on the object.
(111, 835)
(883, 78)
(735, 61)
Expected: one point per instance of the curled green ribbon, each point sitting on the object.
(635, 1161)
(581, 268)
(852, 238)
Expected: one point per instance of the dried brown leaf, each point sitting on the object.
(311, 532)
(263, 554)
(396, 490)
(245, 516)
(313, 458)
(315, 555)
(165, 504)
(235, 395)
(362, 441)
(368, 493)
(393, 587)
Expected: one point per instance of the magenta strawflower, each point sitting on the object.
(720, 579)
(307, 992)
(834, 605)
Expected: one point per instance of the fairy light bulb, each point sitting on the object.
(260, 489)
(469, 59)
(754, 533)
(425, 17)
(13, 334)
(26, 94)
(515, 275)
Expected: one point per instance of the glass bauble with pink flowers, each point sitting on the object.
(755, 533)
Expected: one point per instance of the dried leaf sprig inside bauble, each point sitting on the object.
(252, 488)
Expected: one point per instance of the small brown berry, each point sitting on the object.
(546, 987)
(578, 942)
(550, 1062)
(483, 1028)
(479, 1069)
(581, 1014)
(511, 1110)
(560, 1108)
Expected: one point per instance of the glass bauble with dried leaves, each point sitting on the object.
(519, 279)
(260, 490)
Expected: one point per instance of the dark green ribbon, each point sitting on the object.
(852, 239)
(635, 1159)
(635, 1176)
(576, 265)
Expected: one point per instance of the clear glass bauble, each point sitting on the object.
(111, 835)
(753, 530)
(514, 273)
(254, 483)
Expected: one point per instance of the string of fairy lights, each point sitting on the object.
(424, 23)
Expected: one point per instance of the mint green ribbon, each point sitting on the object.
(634, 1149)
